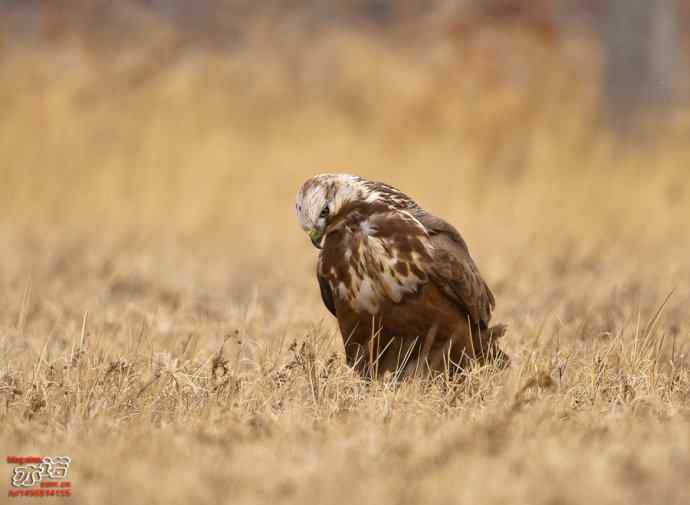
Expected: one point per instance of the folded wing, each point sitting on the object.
(454, 270)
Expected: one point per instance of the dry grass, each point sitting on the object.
(161, 325)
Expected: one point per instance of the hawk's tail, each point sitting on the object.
(497, 331)
(490, 351)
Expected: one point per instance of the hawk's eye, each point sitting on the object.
(324, 212)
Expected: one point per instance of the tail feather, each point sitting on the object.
(497, 331)
(490, 350)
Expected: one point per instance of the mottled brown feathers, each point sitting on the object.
(401, 282)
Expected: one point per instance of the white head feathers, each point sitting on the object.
(324, 195)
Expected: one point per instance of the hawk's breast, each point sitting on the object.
(371, 260)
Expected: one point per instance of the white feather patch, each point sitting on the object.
(366, 298)
(368, 293)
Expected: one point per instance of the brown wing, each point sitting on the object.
(455, 271)
(326, 293)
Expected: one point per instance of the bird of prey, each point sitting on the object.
(407, 295)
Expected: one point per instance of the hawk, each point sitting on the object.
(401, 282)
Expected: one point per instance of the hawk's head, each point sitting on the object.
(322, 197)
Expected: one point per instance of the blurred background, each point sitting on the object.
(545, 129)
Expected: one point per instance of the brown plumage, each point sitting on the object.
(406, 293)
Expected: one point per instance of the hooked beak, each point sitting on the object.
(315, 237)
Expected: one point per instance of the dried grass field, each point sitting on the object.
(160, 321)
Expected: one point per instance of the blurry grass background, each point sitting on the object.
(147, 181)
